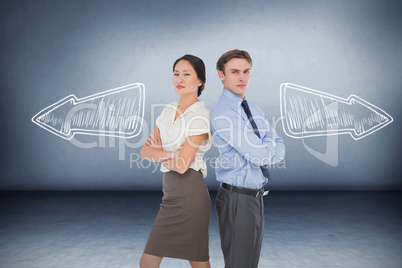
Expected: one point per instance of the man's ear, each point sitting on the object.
(221, 75)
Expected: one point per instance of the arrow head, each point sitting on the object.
(367, 118)
(53, 117)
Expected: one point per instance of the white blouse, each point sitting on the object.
(194, 121)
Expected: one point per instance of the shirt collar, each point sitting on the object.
(193, 107)
(232, 98)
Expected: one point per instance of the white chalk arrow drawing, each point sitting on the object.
(309, 113)
(116, 112)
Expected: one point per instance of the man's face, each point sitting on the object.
(235, 76)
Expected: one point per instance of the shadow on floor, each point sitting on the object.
(110, 229)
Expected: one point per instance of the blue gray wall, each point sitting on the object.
(50, 49)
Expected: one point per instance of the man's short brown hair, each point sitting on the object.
(235, 53)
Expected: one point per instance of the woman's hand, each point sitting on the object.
(186, 155)
(153, 150)
(154, 140)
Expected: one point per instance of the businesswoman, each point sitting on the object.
(179, 141)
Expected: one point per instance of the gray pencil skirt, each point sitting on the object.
(180, 229)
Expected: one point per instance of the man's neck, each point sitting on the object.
(241, 96)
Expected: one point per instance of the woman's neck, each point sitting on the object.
(187, 101)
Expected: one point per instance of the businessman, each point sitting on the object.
(247, 145)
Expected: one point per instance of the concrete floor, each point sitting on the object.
(110, 229)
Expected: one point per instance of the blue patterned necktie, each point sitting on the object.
(244, 104)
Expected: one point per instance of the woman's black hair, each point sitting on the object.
(198, 66)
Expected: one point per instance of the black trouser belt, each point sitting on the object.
(241, 190)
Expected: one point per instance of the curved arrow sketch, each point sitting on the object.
(309, 113)
(117, 112)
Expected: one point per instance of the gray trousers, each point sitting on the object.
(241, 228)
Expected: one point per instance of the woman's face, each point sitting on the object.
(185, 78)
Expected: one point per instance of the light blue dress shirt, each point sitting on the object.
(241, 151)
